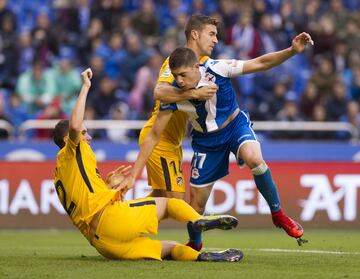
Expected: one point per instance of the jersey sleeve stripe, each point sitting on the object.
(82, 169)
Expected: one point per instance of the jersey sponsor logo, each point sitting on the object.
(214, 62)
(195, 173)
(166, 73)
(209, 77)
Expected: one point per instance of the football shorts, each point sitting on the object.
(210, 161)
(164, 168)
(121, 229)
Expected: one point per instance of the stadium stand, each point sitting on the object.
(45, 43)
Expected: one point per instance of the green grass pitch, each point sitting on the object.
(268, 254)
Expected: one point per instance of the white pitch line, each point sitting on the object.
(275, 250)
(307, 251)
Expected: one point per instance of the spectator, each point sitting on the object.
(8, 53)
(90, 40)
(319, 114)
(353, 117)
(275, 100)
(67, 79)
(6, 13)
(136, 57)
(118, 111)
(4, 134)
(36, 87)
(97, 66)
(308, 100)
(340, 56)
(355, 83)
(337, 102)
(105, 98)
(141, 95)
(25, 52)
(169, 12)
(44, 40)
(113, 54)
(338, 14)
(245, 38)
(176, 32)
(324, 77)
(17, 110)
(352, 34)
(324, 36)
(146, 23)
(51, 111)
(288, 113)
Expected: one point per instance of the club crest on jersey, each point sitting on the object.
(210, 78)
(195, 173)
(179, 180)
(97, 173)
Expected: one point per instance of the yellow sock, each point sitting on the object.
(184, 253)
(181, 211)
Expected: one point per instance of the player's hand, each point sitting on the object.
(206, 92)
(116, 177)
(300, 41)
(86, 77)
(127, 183)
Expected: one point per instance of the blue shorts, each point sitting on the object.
(210, 161)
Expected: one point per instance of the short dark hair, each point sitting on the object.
(182, 56)
(197, 22)
(60, 131)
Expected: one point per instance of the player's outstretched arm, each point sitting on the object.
(270, 60)
(167, 93)
(77, 114)
(147, 147)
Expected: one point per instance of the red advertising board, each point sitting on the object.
(317, 194)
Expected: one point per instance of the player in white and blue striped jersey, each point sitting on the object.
(220, 127)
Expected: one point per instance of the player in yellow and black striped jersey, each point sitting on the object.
(115, 228)
(164, 163)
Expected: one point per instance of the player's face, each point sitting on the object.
(84, 134)
(187, 77)
(207, 39)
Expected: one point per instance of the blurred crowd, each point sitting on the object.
(44, 44)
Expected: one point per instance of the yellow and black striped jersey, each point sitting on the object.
(79, 185)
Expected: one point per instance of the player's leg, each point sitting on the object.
(183, 212)
(207, 166)
(250, 153)
(177, 251)
(181, 252)
(199, 196)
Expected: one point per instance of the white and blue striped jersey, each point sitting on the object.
(207, 116)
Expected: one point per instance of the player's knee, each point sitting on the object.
(260, 169)
(254, 162)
